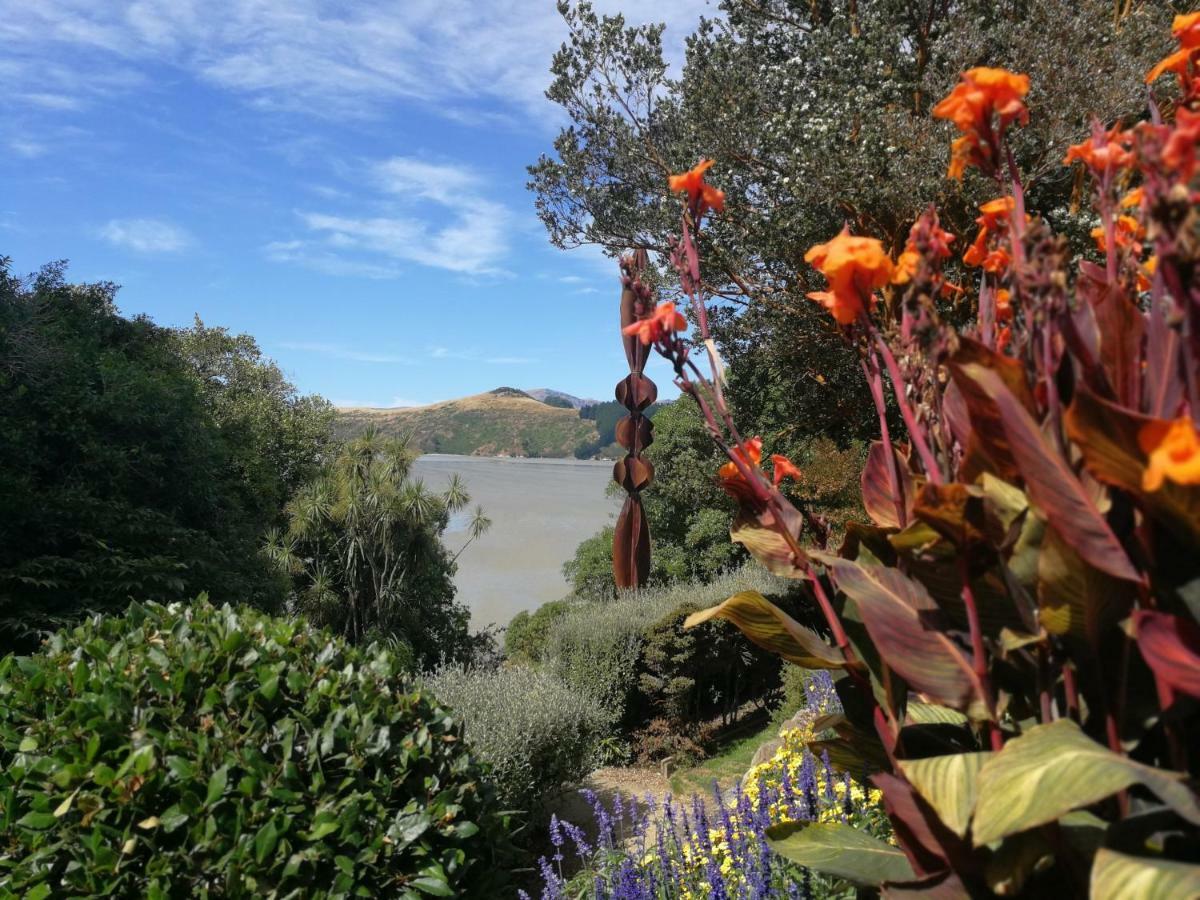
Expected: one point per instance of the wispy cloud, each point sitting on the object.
(431, 214)
(306, 54)
(146, 235)
(475, 356)
(26, 149)
(341, 351)
(509, 360)
(394, 403)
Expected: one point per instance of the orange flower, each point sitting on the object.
(1186, 29)
(1132, 198)
(1173, 449)
(1003, 339)
(1004, 310)
(856, 267)
(662, 322)
(981, 94)
(997, 262)
(1145, 273)
(906, 267)
(783, 468)
(701, 195)
(1127, 233)
(995, 214)
(1179, 153)
(731, 479)
(1109, 155)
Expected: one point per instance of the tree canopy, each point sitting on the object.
(816, 114)
(135, 461)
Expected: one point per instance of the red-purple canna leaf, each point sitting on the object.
(1171, 647)
(772, 629)
(988, 445)
(879, 478)
(908, 629)
(1052, 486)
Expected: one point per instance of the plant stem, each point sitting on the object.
(932, 469)
(978, 653)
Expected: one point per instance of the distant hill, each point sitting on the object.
(503, 422)
(556, 398)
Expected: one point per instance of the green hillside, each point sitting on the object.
(503, 422)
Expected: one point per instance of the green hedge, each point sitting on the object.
(194, 751)
(536, 733)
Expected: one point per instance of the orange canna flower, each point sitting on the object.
(731, 478)
(982, 92)
(662, 322)
(1173, 449)
(1111, 155)
(1145, 273)
(1133, 198)
(700, 194)
(906, 267)
(856, 267)
(1186, 29)
(1128, 233)
(1179, 152)
(1004, 310)
(997, 262)
(783, 468)
(981, 95)
(994, 216)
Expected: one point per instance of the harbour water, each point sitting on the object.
(540, 510)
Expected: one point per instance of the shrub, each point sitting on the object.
(194, 751)
(537, 733)
(525, 637)
(597, 647)
(688, 676)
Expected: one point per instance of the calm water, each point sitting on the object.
(540, 510)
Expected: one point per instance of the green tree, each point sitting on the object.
(116, 479)
(276, 436)
(364, 545)
(817, 114)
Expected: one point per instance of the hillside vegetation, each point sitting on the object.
(503, 422)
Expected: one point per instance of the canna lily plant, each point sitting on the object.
(1014, 634)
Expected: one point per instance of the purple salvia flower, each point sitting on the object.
(830, 794)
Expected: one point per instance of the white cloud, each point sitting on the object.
(432, 214)
(394, 403)
(26, 149)
(510, 360)
(146, 235)
(341, 351)
(310, 55)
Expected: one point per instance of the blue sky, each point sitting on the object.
(343, 181)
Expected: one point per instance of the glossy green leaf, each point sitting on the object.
(949, 784)
(841, 851)
(772, 629)
(1055, 768)
(1118, 876)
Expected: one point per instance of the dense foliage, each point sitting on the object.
(526, 633)
(195, 751)
(816, 114)
(1040, 523)
(537, 734)
(599, 648)
(363, 544)
(134, 461)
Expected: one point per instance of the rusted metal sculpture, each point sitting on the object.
(635, 432)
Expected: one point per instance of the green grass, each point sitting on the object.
(727, 765)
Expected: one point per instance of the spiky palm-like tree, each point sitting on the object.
(363, 544)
